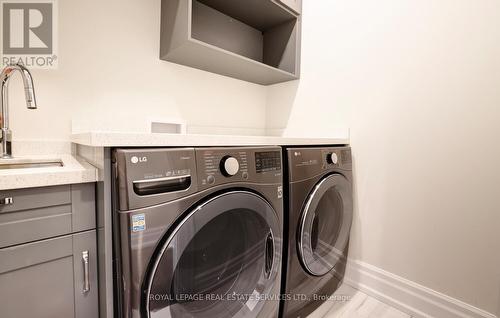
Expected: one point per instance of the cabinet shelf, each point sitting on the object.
(252, 40)
(259, 14)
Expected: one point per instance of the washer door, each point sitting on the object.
(220, 261)
(325, 224)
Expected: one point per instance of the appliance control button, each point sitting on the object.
(229, 166)
(332, 158)
(245, 175)
(210, 179)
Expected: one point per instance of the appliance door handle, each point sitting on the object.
(268, 264)
(86, 282)
(314, 233)
(162, 185)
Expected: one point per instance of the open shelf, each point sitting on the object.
(259, 14)
(253, 40)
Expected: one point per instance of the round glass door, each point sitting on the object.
(325, 225)
(220, 261)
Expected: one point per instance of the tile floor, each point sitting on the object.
(358, 305)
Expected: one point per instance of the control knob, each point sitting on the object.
(229, 166)
(332, 158)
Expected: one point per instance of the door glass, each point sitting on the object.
(221, 269)
(225, 257)
(325, 225)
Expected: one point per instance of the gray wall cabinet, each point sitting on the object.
(295, 5)
(48, 257)
(256, 41)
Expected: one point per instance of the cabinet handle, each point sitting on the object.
(7, 201)
(86, 282)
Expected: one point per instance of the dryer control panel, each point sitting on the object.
(307, 162)
(246, 164)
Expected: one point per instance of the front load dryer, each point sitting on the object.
(318, 217)
(197, 232)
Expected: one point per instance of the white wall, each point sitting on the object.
(111, 78)
(418, 82)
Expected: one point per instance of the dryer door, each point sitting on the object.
(325, 224)
(220, 261)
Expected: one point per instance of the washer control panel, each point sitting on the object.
(147, 176)
(217, 163)
(246, 164)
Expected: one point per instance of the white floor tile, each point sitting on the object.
(348, 302)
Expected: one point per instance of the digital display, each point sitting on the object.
(267, 161)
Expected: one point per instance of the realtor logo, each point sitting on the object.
(28, 33)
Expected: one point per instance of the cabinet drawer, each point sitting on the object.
(41, 213)
(33, 198)
(49, 275)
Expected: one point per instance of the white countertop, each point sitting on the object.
(124, 139)
(74, 170)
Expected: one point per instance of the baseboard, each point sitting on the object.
(407, 296)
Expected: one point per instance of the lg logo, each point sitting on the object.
(135, 159)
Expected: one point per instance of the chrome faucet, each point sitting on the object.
(29, 93)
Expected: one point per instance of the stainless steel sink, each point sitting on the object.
(28, 163)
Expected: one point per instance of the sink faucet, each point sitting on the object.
(29, 93)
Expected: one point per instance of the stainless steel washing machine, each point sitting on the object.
(198, 232)
(318, 217)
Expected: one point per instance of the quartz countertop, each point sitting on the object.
(125, 139)
(74, 170)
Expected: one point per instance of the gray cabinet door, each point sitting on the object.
(85, 275)
(46, 278)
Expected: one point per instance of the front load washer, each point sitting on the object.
(318, 217)
(197, 232)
